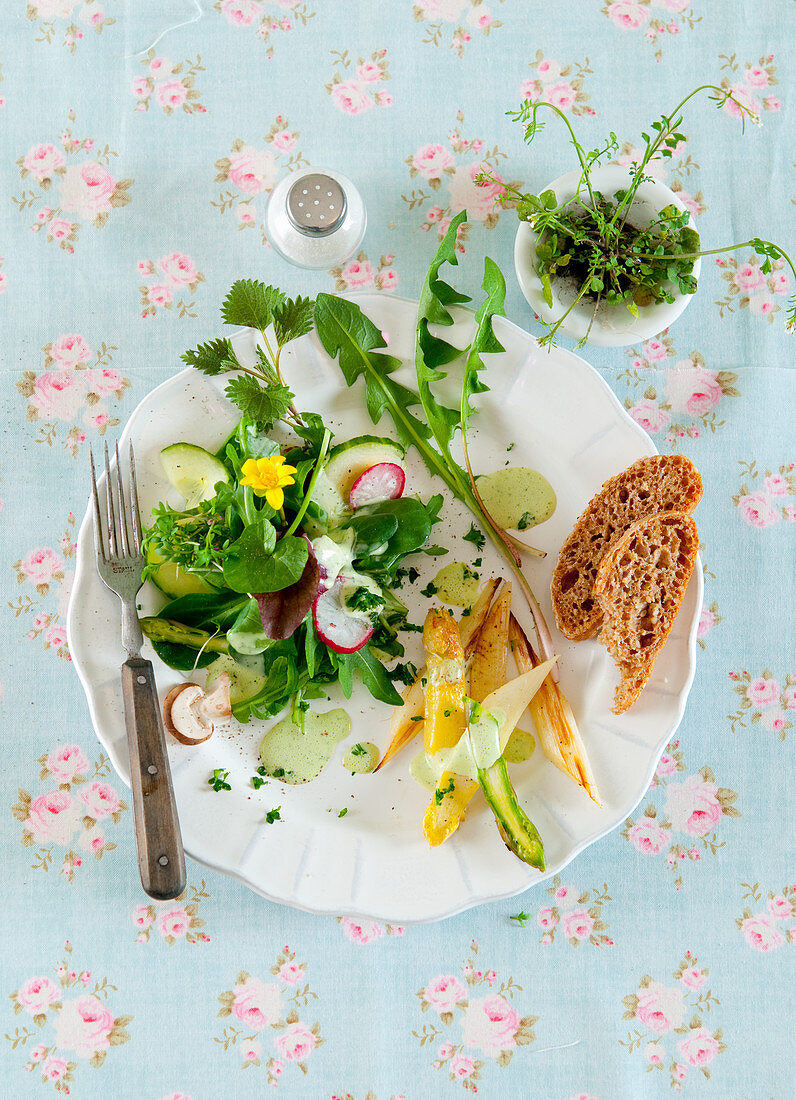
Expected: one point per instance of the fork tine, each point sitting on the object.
(99, 542)
(113, 546)
(136, 515)
(122, 507)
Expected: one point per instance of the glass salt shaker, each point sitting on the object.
(315, 218)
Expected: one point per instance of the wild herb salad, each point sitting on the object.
(285, 554)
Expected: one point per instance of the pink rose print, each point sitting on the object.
(284, 141)
(477, 198)
(42, 161)
(70, 350)
(296, 1042)
(353, 87)
(37, 994)
(174, 922)
(775, 485)
(252, 170)
(52, 818)
(654, 1053)
(261, 19)
(361, 931)
(171, 87)
(42, 566)
(87, 190)
(48, 12)
(780, 907)
(650, 416)
(83, 1026)
(757, 510)
(761, 933)
(430, 161)
(647, 837)
(461, 1066)
(256, 1004)
(350, 98)
(290, 973)
(700, 1048)
(763, 691)
(357, 274)
(692, 806)
(66, 762)
(660, 1008)
(171, 277)
(462, 16)
(547, 917)
(627, 14)
(38, 1052)
(143, 916)
(54, 1069)
(749, 276)
(577, 924)
(443, 992)
(695, 390)
(101, 800)
(260, 1008)
(490, 1024)
(693, 978)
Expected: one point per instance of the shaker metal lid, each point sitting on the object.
(316, 204)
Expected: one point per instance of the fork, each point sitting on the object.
(120, 564)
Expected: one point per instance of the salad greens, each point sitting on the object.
(249, 563)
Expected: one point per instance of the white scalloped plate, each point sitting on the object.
(564, 421)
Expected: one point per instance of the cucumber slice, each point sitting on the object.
(193, 471)
(347, 461)
(173, 581)
(245, 680)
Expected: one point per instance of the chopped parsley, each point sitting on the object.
(358, 750)
(526, 520)
(406, 673)
(401, 574)
(475, 537)
(510, 447)
(430, 590)
(273, 815)
(218, 780)
(343, 812)
(521, 917)
(440, 792)
(477, 563)
(417, 718)
(467, 611)
(469, 574)
(412, 626)
(278, 773)
(261, 770)
(257, 782)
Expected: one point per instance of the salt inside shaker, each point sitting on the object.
(315, 218)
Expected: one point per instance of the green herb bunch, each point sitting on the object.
(591, 238)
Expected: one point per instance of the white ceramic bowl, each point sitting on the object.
(614, 326)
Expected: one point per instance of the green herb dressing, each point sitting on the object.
(517, 498)
(296, 756)
(422, 772)
(520, 747)
(363, 761)
(457, 584)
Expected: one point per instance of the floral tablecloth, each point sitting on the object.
(139, 145)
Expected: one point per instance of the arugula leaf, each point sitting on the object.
(313, 430)
(214, 357)
(374, 675)
(251, 304)
(432, 352)
(263, 404)
(494, 286)
(351, 337)
(475, 537)
(293, 318)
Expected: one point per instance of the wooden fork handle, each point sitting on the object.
(161, 860)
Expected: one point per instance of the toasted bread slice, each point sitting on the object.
(658, 483)
(639, 588)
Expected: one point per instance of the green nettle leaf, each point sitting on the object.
(246, 558)
(263, 404)
(251, 304)
(214, 357)
(293, 318)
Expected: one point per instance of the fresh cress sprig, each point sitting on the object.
(590, 239)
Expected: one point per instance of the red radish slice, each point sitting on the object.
(339, 628)
(384, 481)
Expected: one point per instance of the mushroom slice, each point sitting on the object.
(189, 712)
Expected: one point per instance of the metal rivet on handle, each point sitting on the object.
(325, 213)
(164, 861)
(141, 679)
(152, 769)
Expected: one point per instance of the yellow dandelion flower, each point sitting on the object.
(268, 477)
